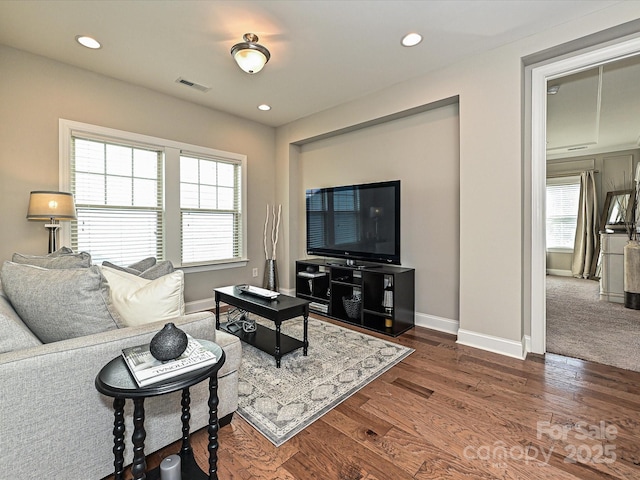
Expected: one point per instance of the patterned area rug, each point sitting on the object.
(280, 402)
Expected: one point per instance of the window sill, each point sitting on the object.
(208, 267)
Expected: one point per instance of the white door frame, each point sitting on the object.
(539, 77)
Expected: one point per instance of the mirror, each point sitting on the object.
(618, 210)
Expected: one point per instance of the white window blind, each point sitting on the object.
(119, 200)
(211, 210)
(563, 196)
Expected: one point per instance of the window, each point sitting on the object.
(210, 209)
(118, 194)
(563, 196)
(139, 196)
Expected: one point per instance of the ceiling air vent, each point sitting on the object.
(191, 84)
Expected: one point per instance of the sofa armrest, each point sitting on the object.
(53, 419)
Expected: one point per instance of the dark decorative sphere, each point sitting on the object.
(168, 343)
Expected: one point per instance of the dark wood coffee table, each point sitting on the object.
(282, 308)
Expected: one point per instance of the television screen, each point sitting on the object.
(360, 222)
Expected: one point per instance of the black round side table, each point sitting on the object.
(115, 380)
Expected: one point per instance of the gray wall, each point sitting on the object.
(495, 207)
(422, 152)
(35, 92)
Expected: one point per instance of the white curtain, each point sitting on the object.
(587, 243)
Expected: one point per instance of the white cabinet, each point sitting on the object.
(612, 276)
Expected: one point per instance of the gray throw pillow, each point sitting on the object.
(61, 251)
(144, 264)
(130, 270)
(55, 260)
(15, 334)
(135, 268)
(151, 272)
(58, 304)
(160, 269)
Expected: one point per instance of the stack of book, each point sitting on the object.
(146, 369)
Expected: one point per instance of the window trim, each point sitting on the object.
(172, 152)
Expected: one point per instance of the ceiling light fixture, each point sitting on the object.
(250, 55)
(411, 39)
(264, 107)
(552, 90)
(88, 42)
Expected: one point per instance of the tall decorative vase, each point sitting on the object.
(632, 275)
(270, 280)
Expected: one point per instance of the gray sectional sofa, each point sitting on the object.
(53, 422)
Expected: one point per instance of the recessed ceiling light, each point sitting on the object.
(88, 42)
(264, 107)
(411, 39)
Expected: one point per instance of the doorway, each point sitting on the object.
(539, 77)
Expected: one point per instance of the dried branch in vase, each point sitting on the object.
(275, 230)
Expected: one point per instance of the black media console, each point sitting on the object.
(376, 297)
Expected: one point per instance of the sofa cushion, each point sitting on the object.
(142, 269)
(57, 304)
(57, 259)
(141, 301)
(14, 334)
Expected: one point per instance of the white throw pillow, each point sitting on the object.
(140, 301)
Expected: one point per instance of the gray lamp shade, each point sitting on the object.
(44, 205)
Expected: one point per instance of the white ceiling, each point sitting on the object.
(324, 53)
(596, 110)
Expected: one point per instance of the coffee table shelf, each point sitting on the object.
(264, 339)
(277, 310)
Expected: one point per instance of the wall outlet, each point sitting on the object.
(255, 272)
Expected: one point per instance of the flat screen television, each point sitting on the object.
(356, 222)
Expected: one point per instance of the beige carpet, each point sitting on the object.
(581, 325)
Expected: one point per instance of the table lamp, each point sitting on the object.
(51, 206)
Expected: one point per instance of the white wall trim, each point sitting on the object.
(288, 291)
(440, 324)
(503, 346)
(200, 305)
(539, 77)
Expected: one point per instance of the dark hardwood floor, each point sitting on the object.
(454, 412)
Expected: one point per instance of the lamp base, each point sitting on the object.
(53, 236)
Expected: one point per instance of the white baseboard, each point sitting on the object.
(200, 305)
(559, 273)
(499, 345)
(503, 346)
(437, 323)
(527, 344)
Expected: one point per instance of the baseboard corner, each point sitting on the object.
(503, 346)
